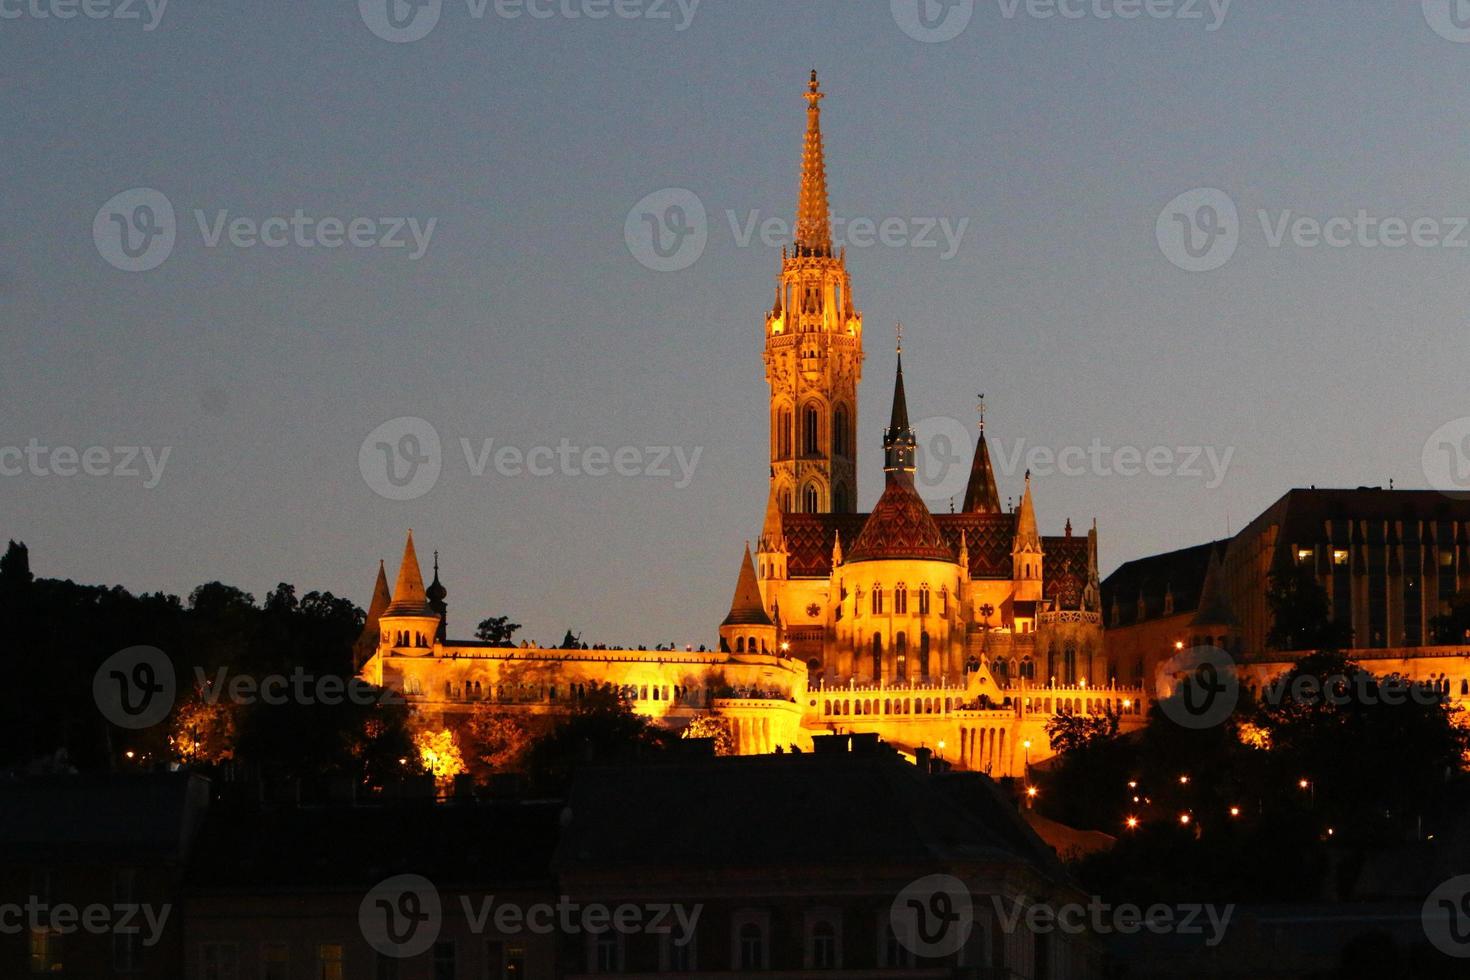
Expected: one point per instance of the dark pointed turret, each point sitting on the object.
(436, 593)
(980, 493)
(899, 443)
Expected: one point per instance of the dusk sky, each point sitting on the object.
(1048, 146)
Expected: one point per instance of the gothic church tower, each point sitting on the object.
(814, 352)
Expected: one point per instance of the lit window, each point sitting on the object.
(1339, 556)
(1304, 554)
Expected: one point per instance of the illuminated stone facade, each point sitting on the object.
(958, 632)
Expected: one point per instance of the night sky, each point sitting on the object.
(1055, 143)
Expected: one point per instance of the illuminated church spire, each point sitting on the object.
(813, 224)
(814, 350)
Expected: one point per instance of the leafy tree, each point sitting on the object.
(497, 631)
(494, 741)
(439, 755)
(601, 728)
(1301, 612)
(709, 726)
(1072, 731)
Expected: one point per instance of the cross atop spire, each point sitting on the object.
(981, 409)
(898, 332)
(813, 223)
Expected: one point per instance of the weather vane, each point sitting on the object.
(981, 409)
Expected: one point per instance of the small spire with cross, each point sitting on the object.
(898, 332)
(981, 409)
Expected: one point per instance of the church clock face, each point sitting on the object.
(813, 610)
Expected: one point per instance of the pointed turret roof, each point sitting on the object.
(1027, 538)
(898, 418)
(747, 609)
(381, 597)
(813, 221)
(980, 493)
(409, 598)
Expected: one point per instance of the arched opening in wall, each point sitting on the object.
(1069, 664)
(840, 442)
(924, 648)
(877, 656)
(924, 599)
(1028, 668)
(900, 599)
(739, 644)
(785, 501)
(877, 599)
(811, 431)
(999, 668)
(811, 501)
(901, 656)
(783, 433)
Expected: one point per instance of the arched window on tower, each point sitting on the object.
(1069, 664)
(785, 501)
(877, 656)
(839, 432)
(924, 654)
(877, 599)
(924, 599)
(901, 657)
(783, 434)
(811, 501)
(900, 598)
(810, 431)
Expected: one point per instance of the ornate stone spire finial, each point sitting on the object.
(813, 221)
(981, 409)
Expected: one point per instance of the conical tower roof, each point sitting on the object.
(747, 608)
(409, 598)
(381, 598)
(813, 221)
(980, 493)
(1027, 537)
(773, 529)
